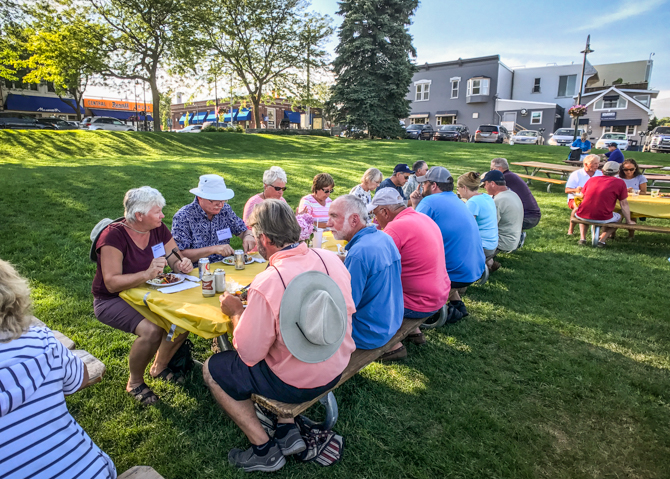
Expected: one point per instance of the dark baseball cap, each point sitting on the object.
(493, 175)
(402, 168)
(436, 174)
(613, 145)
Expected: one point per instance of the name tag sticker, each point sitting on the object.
(224, 234)
(159, 250)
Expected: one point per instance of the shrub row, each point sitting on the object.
(221, 129)
(288, 132)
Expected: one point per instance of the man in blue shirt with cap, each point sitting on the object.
(614, 154)
(400, 176)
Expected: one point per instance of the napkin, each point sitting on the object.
(179, 287)
(188, 277)
(258, 259)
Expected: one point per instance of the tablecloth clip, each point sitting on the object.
(171, 333)
(145, 298)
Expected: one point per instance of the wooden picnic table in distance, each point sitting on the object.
(534, 167)
(652, 181)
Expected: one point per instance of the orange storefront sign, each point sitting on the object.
(118, 105)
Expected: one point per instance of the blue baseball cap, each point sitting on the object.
(493, 175)
(402, 168)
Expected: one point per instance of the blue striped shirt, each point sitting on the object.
(38, 436)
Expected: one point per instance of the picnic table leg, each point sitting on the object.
(332, 412)
(224, 343)
(595, 235)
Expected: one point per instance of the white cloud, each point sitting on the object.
(627, 9)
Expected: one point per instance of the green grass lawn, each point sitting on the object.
(561, 370)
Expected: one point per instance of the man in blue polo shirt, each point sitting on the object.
(463, 251)
(373, 261)
(614, 154)
(400, 176)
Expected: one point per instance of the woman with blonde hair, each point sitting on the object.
(483, 208)
(370, 181)
(39, 436)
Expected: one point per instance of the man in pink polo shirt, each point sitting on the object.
(425, 282)
(290, 350)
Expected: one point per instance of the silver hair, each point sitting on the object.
(274, 174)
(500, 163)
(353, 205)
(591, 159)
(141, 200)
(584, 136)
(372, 175)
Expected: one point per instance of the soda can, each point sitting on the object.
(203, 266)
(239, 259)
(208, 285)
(219, 280)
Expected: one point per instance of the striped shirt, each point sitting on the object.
(320, 213)
(38, 436)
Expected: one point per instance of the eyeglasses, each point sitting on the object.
(217, 203)
(629, 169)
(328, 191)
(277, 188)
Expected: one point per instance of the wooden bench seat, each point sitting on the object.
(595, 228)
(140, 472)
(359, 359)
(67, 342)
(550, 181)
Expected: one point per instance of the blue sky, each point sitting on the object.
(536, 33)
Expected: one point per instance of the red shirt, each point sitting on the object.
(425, 282)
(134, 258)
(600, 195)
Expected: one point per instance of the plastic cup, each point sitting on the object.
(318, 238)
(655, 192)
(636, 192)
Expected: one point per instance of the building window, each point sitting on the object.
(566, 85)
(478, 86)
(446, 120)
(536, 86)
(419, 121)
(630, 130)
(50, 87)
(644, 99)
(475, 114)
(614, 102)
(422, 91)
(454, 88)
(536, 118)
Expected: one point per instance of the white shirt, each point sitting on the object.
(579, 178)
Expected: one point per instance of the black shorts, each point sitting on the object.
(240, 381)
(459, 285)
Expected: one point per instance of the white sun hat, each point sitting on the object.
(313, 317)
(212, 187)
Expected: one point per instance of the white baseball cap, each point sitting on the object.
(384, 197)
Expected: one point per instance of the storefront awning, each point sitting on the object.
(227, 118)
(621, 122)
(42, 104)
(244, 115)
(447, 113)
(211, 116)
(199, 117)
(119, 115)
(183, 118)
(419, 115)
(292, 116)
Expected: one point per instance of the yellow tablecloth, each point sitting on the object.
(645, 205)
(189, 310)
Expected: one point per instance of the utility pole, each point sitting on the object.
(144, 92)
(309, 50)
(586, 51)
(137, 119)
(216, 101)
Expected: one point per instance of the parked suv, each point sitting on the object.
(105, 123)
(658, 140)
(420, 132)
(16, 121)
(57, 123)
(491, 134)
(452, 133)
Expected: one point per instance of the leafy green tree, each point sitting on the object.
(260, 40)
(654, 122)
(166, 108)
(373, 67)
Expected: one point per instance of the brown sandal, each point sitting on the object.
(417, 338)
(395, 355)
(144, 395)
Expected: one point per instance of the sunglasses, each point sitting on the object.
(277, 188)
(629, 169)
(328, 191)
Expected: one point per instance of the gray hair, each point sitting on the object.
(419, 164)
(372, 175)
(500, 163)
(353, 205)
(274, 174)
(141, 200)
(276, 220)
(585, 136)
(15, 306)
(591, 159)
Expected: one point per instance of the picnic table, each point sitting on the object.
(646, 206)
(653, 181)
(534, 167)
(189, 310)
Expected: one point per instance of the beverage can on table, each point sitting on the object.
(203, 266)
(239, 259)
(219, 280)
(208, 289)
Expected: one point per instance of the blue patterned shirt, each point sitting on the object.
(192, 229)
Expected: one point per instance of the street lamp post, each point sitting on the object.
(216, 101)
(136, 117)
(144, 92)
(586, 51)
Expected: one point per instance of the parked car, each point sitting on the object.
(57, 123)
(563, 137)
(491, 134)
(107, 123)
(452, 133)
(74, 123)
(191, 129)
(620, 139)
(420, 132)
(16, 121)
(527, 137)
(658, 140)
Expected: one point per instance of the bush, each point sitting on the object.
(210, 128)
(288, 132)
(223, 129)
(239, 129)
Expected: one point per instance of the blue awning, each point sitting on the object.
(183, 117)
(42, 104)
(211, 116)
(199, 117)
(227, 118)
(119, 115)
(293, 116)
(244, 115)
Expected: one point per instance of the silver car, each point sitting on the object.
(563, 137)
(526, 137)
(106, 123)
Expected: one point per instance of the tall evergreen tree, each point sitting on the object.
(373, 65)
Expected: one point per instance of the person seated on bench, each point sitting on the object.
(293, 341)
(635, 181)
(531, 210)
(39, 436)
(599, 201)
(483, 208)
(463, 252)
(509, 210)
(614, 153)
(425, 282)
(583, 144)
(576, 182)
(374, 264)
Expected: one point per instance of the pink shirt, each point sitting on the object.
(425, 282)
(257, 336)
(320, 213)
(251, 204)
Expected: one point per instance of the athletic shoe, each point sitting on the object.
(248, 461)
(522, 240)
(494, 267)
(460, 305)
(291, 443)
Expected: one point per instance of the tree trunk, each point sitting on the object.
(256, 101)
(156, 98)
